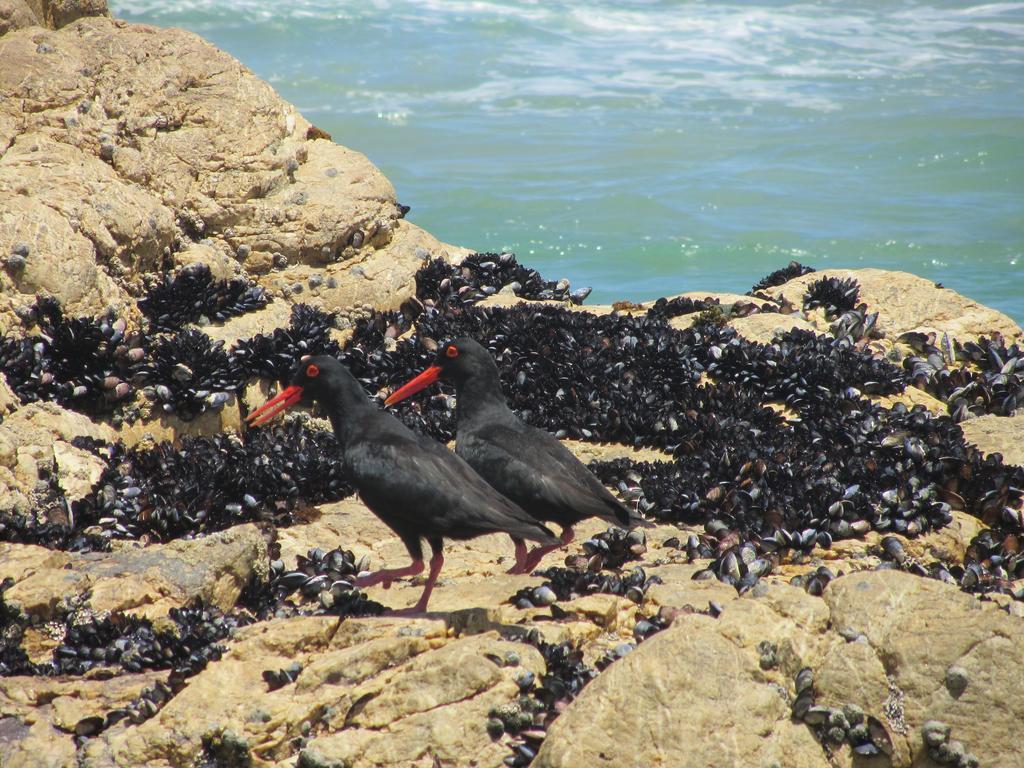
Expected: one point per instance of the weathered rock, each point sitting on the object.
(997, 434)
(16, 14)
(146, 581)
(376, 692)
(30, 439)
(906, 302)
(381, 276)
(657, 705)
(117, 147)
(910, 397)
(222, 265)
(916, 630)
(763, 327)
(38, 715)
(948, 544)
(61, 262)
(77, 470)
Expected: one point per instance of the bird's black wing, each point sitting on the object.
(416, 484)
(531, 465)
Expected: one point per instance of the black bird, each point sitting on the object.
(526, 464)
(419, 488)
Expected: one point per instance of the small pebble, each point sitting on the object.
(935, 732)
(956, 681)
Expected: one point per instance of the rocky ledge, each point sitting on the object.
(830, 464)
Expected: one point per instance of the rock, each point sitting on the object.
(102, 185)
(59, 13)
(656, 705)
(145, 581)
(17, 14)
(383, 276)
(587, 452)
(763, 327)
(910, 397)
(275, 314)
(222, 265)
(948, 544)
(906, 302)
(375, 697)
(917, 629)
(38, 715)
(77, 470)
(8, 400)
(997, 434)
(30, 436)
(63, 263)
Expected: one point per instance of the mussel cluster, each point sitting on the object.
(185, 643)
(442, 284)
(204, 485)
(13, 659)
(990, 378)
(323, 582)
(945, 750)
(832, 294)
(613, 548)
(666, 309)
(187, 374)
(571, 583)
(993, 562)
(275, 356)
(193, 296)
(81, 363)
(780, 276)
(835, 726)
(800, 367)
(541, 699)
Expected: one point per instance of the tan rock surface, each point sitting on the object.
(918, 629)
(146, 581)
(657, 705)
(906, 302)
(1002, 434)
(763, 327)
(17, 14)
(115, 155)
(644, 710)
(38, 714)
(37, 436)
(375, 692)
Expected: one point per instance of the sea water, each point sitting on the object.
(660, 146)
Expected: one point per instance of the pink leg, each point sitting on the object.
(538, 553)
(387, 575)
(520, 566)
(435, 568)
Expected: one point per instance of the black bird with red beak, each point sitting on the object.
(526, 464)
(415, 485)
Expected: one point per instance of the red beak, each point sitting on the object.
(422, 381)
(288, 397)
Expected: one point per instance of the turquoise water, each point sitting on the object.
(654, 147)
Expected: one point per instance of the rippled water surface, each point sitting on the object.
(654, 147)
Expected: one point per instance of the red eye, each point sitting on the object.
(452, 352)
(312, 371)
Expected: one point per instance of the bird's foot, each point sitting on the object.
(411, 611)
(387, 576)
